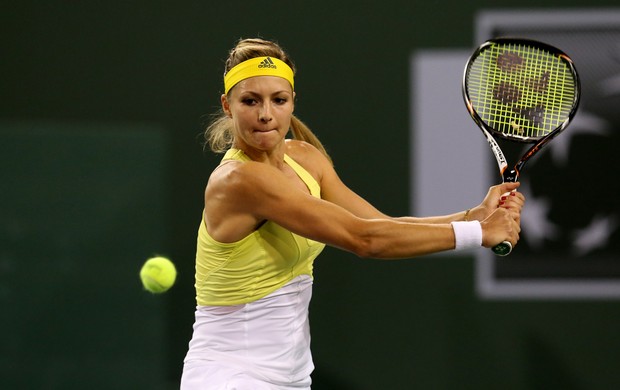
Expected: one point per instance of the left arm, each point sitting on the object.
(335, 191)
(503, 195)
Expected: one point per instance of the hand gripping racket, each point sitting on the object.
(519, 90)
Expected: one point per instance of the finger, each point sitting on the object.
(512, 203)
(513, 200)
(515, 217)
(504, 200)
(507, 187)
(517, 196)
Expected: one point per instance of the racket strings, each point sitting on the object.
(521, 91)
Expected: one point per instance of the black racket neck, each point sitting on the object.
(510, 176)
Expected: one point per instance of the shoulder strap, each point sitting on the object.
(312, 184)
(235, 154)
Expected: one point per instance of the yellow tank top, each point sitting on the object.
(257, 265)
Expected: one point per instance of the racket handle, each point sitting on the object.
(505, 247)
(502, 249)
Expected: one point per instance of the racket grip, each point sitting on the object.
(502, 249)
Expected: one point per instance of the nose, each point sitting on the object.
(265, 114)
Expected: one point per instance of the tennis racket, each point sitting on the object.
(519, 90)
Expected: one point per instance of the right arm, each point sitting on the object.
(242, 195)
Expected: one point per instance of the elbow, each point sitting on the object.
(366, 248)
(367, 239)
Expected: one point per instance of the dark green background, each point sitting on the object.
(102, 166)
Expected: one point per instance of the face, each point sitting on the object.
(261, 108)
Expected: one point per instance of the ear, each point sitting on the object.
(225, 106)
(294, 97)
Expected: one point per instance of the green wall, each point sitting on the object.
(140, 79)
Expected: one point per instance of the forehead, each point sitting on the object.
(263, 85)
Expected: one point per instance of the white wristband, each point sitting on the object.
(467, 234)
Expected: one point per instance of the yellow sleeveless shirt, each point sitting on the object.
(257, 265)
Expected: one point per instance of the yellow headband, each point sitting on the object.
(259, 66)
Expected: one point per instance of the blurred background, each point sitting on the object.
(102, 166)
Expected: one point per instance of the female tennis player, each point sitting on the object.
(270, 208)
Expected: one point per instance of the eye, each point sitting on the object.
(248, 101)
(280, 100)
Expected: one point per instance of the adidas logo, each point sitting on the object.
(267, 63)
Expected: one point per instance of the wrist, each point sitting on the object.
(467, 234)
(477, 213)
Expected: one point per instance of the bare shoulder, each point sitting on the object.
(308, 157)
(236, 177)
(301, 149)
(233, 195)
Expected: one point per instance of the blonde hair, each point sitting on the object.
(219, 134)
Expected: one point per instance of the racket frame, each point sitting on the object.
(492, 136)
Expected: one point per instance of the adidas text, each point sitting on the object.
(267, 63)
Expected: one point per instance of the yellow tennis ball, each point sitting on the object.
(158, 274)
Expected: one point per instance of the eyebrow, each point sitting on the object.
(272, 94)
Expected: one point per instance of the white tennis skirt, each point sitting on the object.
(262, 345)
